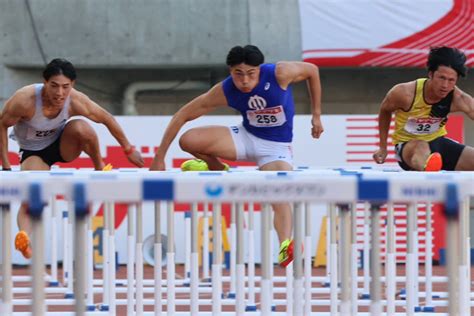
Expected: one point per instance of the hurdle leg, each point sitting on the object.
(354, 255)
(464, 280)
(375, 286)
(170, 262)
(265, 292)
(452, 255)
(298, 259)
(346, 263)
(307, 261)
(251, 260)
(158, 256)
(216, 258)
(130, 261)
(390, 259)
(429, 260)
(333, 260)
(139, 261)
(233, 251)
(90, 265)
(112, 263)
(205, 244)
(65, 246)
(105, 260)
(80, 261)
(240, 265)
(328, 246)
(366, 268)
(6, 307)
(289, 287)
(410, 269)
(416, 260)
(187, 247)
(54, 244)
(194, 261)
(70, 253)
(38, 266)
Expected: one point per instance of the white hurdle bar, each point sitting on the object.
(84, 188)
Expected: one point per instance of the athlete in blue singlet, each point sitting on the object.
(262, 94)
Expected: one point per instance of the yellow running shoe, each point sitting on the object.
(22, 244)
(194, 165)
(198, 165)
(286, 253)
(108, 167)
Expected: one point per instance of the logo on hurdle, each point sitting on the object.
(418, 191)
(9, 192)
(213, 190)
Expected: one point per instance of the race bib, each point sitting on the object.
(423, 126)
(35, 134)
(267, 117)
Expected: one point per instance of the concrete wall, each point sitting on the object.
(143, 33)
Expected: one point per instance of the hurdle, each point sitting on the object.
(300, 188)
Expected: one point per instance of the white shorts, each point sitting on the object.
(251, 148)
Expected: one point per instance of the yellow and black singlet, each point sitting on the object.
(422, 121)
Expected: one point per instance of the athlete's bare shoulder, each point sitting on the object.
(22, 102)
(402, 94)
(80, 102)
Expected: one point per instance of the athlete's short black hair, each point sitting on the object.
(248, 54)
(59, 66)
(447, 56)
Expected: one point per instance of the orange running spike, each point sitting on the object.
(22, 244)
(434, 162)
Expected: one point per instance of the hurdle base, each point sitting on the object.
(251, 308)
(205, 282)
(428, 309)
(53, 283)
(231, 295)
(104, 308)
(90, 308)
(69, 295)
(365, 296)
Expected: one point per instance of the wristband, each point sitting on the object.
(128, 151)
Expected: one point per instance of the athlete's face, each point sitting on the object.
(443, 81)
(245, 77)
(57, 89)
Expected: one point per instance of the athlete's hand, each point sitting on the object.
(380, 155)
(158, 164)
(135, 158)
(317, 128)
(6, 165)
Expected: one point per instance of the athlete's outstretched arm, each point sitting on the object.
(296, 71)
(13, 110)
(82, 105)
(392, 102)
(197, 107)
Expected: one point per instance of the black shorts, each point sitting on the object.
(449, 149)
(50, 155)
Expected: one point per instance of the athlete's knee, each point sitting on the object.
(81, 130)
(187, 140)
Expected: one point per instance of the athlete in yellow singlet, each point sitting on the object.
(421, 110)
